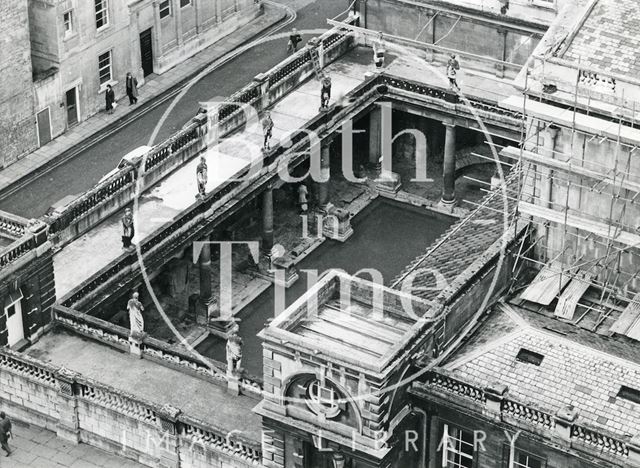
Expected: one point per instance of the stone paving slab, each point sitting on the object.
(153, 88)
(35, 447)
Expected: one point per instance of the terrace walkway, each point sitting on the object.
(176, 192)
(150, 381)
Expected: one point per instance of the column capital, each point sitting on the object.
(449, 124)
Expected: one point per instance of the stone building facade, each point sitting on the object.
(78, 47)
(17, 130)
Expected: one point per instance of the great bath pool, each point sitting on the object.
(388, 235)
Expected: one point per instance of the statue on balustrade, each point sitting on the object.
(128, 229)
(136, 320)
(202, 176)
(234, 352)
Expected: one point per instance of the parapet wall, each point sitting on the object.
(82, 410)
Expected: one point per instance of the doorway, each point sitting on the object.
(71, 100)
(44, 127)
(13, 312)
(146, 52)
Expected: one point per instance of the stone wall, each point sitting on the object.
(83, 411)
(500, 39)
(497, 416)
(27, 267)
(18, 131)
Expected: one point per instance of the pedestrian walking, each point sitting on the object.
(132, 88)
(202, 177)
(128, 230)
(325, 94)
(110, 99)
(303, 198)
(294, 40)
(5, 433)
(267, 129)
(452, 68)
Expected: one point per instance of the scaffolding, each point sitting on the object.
(584, 197)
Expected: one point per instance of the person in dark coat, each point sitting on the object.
(110, 98)
(294, 40)
(128, 230)
(267, 129)
(325, 94)
(132, 88)
(5, 432)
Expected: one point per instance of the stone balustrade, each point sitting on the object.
(82, 410)
(34, 237)
(563, 425)
(151, 348)
(12, 226)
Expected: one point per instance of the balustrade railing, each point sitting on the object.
(17, 249)
(11, 225)
(92, 327)
(17, 363)
(600, 441)
(118, 401)
(455, 386)
(196, 433)
(527, 413)
(595, 438)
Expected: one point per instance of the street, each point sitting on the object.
(84, 171)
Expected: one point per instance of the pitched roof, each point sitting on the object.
(608, 38)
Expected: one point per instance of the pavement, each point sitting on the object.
(154, 87)
(39, 448)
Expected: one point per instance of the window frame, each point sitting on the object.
(105, 14)
(458, 447)
(168, 9)
(511, 456)
(185, 3)
(103, 84)
(71, 31)
(548, 4)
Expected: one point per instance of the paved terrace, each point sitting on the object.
(176, 192)
(150, 381)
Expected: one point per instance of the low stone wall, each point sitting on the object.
(82, 410)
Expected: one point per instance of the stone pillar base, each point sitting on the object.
(233, 384)
(221, 327)
(135, 344)
(205, 311)
(336, 224)
(280, 271)
(388, 182)
(69, 434)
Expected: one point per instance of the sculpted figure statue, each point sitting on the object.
(234, 352)
(136, 320)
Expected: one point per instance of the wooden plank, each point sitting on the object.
(372, 329)
(331, 330)
(568, 300)
(339, 346)
(628, 318)
(546, 285)
(578, 222)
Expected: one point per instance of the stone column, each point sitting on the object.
(495, 393)
(157, 36)
(267, 220)
(449, 165)
(178, 19)
(503, 53)
(375, 134)
(564, 419)
(204, 266)
(325, 168)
